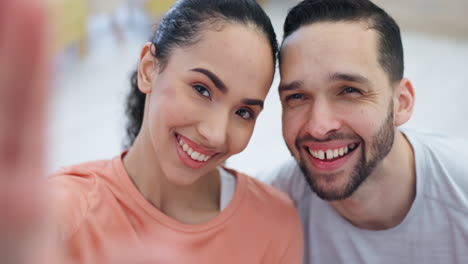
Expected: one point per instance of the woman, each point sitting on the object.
(199, 88)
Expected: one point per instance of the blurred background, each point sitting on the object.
(96, 45)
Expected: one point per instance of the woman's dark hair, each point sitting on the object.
(182, 26)
(390, 46)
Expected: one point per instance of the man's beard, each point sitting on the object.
(380, 146)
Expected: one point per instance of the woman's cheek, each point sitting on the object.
(240, 136)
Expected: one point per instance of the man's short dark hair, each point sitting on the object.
(390, 46)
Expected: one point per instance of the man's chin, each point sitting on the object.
(331, 189)
(330, 186)
(333, 194)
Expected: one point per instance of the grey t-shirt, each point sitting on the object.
(228, 187)
(435, 229)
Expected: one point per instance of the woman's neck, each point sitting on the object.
(192, 204)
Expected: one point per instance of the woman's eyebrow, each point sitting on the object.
(215, 79)
(253, 102)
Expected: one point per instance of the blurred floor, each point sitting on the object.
(87, 110)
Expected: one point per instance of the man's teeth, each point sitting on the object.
(193, 154)
(321, 155)
(331, 153)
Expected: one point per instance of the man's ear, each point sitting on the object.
(147, 68)
(403, 102)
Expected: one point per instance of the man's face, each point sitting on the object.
(337, 105)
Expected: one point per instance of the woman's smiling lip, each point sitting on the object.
(195, 147)
(192, 154)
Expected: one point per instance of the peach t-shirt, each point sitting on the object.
(103, 218)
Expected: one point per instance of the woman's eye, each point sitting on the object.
(202, 90)
(244, 113)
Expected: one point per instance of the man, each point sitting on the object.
(379, 194)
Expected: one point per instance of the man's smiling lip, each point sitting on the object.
(326, 158)
(330, 151)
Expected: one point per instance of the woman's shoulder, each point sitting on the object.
(78, 180)
(83, 170)
(266, 198)
(85, 177)
(266, 208)
(73, 191)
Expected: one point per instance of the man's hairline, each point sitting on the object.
(369, 21)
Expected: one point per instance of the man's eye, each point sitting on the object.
(348, 90)
(202, 90)
(294, 97)
(245, 114)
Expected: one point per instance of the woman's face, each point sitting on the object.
(201, 109)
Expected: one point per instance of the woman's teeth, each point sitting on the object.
(332, 153)
(193, 154)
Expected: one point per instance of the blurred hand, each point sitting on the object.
(23, 94)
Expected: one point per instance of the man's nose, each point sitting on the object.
(322, 119)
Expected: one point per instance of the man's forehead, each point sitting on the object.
(332, 46)
(322, 32)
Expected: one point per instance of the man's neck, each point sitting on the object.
(385, 198)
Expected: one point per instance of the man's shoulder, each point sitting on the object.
(442, 165)
(429, 137)
(287, 177)
(440, 150)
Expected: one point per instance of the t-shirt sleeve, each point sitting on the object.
(69, 203)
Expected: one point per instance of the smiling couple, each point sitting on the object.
(357, 190)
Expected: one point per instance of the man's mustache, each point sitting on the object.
(330, 136)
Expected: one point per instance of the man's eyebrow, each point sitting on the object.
(253, 102)
(290, 86)
(215, 79)
(357, 78)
